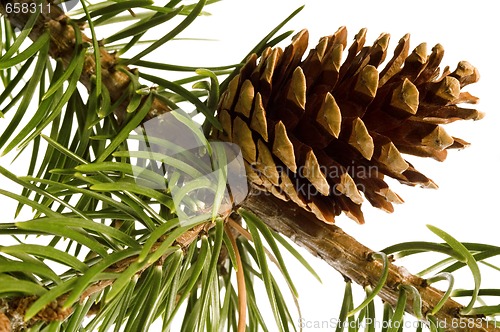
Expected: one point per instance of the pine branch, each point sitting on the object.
(352, 259)
(328, 242)
(12, 312)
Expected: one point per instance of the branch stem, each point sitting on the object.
(353, 260)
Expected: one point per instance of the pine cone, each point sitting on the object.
(319, 131)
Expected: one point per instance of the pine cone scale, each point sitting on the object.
(259, 120)
(329, 116)
(398, 59)
(283, 148)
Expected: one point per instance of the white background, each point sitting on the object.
(465, 205)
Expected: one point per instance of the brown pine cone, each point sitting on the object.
(320, 131)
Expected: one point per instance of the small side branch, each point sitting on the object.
(62, 47)
(12, 311)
